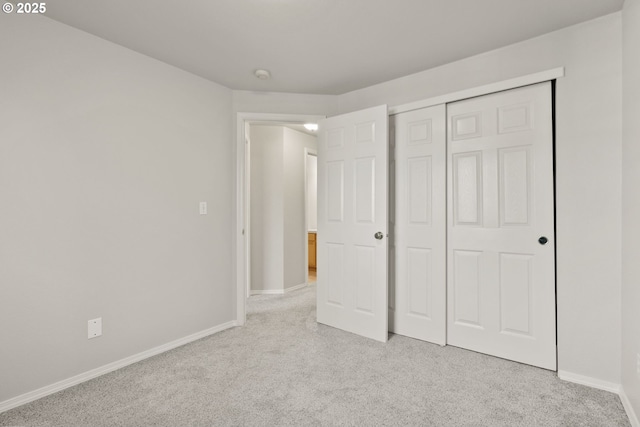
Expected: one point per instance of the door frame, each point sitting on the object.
(487, 89)
(308, 152)
(243, 204)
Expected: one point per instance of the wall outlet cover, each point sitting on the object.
(94, 328)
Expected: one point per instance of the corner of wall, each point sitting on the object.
(630, 247)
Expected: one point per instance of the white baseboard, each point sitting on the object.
(589, 381)
(603, 385)
(295, 288)
(267, 292)
(631, 413)
(277, 291)
(110, 367)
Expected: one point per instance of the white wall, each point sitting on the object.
(295, 239)
(587, 177)
(312, 192)
(285, 103)
(104, 157)
(631, 201)
(267, 208)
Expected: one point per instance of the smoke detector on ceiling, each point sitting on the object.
(262, 74)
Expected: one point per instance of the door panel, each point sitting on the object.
(466, 282)
(335, 283)
(418, 281)
(515, 194)
(515, 297)
(352, 208)
(419, 284)
(467, 188)
(501, 281)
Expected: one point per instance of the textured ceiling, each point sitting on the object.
(319, 46)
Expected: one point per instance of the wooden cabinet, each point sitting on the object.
(312, 250)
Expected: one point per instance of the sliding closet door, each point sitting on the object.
(417, 303)
(501, 271)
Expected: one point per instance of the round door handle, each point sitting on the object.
(543, 240)
(378, 235)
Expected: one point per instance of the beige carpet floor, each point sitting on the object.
(283, 369)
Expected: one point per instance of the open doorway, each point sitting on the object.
(243, 201)
(311, 199)
(277, 207)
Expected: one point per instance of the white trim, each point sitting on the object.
(267, 292)
(242, 200)
(281, 118)
(110, 367)
(247, 205)
(277, 291)
(241, 238)
(631, 413)
(606, 386)
(295, 288)
(589, 381)
(529, 79)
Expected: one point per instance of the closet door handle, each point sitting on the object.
(378, 235)
(543, 240)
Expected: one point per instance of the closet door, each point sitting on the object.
(501, 271)
(417, 303)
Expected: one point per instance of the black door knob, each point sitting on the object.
(543, 240)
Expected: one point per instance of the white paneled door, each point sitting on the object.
(417, 303)
(352, 222)
(501, 266)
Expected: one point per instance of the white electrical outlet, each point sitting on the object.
(203, 208)
(94, 327)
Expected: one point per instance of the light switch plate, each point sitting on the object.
(203, 208)
(94, 327)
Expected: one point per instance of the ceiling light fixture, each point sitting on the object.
(311, 126)
(262, 74)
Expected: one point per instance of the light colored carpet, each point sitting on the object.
(283, 368)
